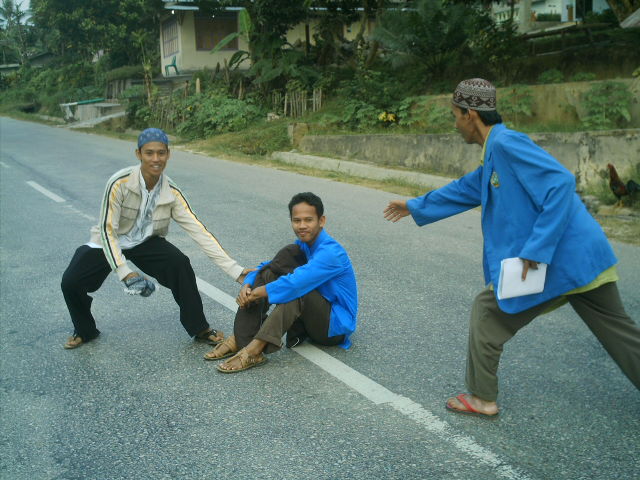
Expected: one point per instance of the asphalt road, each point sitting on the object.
(141, 403)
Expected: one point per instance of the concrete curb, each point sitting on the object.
(94, 121)
(361, 169)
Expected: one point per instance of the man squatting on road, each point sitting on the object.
(313, 285)
(137, 206)
(529, 210)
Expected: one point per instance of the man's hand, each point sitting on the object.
(243, 297)
(248, 295)
(526, 265)
(396, 210)
(138, 285)
(244, 274)
(257, 294)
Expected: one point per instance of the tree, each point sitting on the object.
(433, 36)
(83, 28)
(270, 21)
(14, 34)
(623, 8)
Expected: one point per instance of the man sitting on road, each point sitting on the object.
(529, 210)
(137, 206)
(313, 285)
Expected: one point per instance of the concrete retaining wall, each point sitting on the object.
(584, 153)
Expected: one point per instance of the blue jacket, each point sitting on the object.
(328, 270)
(529, 210)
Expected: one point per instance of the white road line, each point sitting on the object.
(82, 214)
(216, 294)
(371, 390)
(382, 396)
(45, 192)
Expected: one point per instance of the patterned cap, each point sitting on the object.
(152, 135)
(475, 94)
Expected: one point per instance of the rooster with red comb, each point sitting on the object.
(618, 187)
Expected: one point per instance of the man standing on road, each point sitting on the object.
(313, 286)
(137, 207)
(529, 210)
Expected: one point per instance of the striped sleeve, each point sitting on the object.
(184, 215)
(109, 221)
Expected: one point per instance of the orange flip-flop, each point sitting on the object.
(468, 410)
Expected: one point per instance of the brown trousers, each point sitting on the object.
(601, 309)
(307, 316)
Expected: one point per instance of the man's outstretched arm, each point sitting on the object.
(456, 197)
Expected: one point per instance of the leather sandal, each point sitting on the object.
(211, 336)
(75, 340)
(247, 361)
(217, 353)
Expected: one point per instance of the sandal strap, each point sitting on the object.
(230, 343)
(244, 357)
(247, 359)
(210, 333)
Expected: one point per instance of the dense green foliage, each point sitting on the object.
(43, 90)
(125, 29)
(375, 81)
(17, 37)
(551, 76)
(548, 17)
(607, 104)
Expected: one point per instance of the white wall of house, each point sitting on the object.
(188, 56)
(178, 39)
(566, 8)
(600, 5)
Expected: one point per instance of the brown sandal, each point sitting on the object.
(247, 361)
(211, 336)
(73, 342)
(231, 349)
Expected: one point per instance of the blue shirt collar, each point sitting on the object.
(320, 239)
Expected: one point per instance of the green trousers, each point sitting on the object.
(601, 309)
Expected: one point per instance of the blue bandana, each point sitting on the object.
(152, 135)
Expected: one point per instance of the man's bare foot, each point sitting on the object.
(470, 404)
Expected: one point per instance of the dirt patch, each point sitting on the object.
(621, 224)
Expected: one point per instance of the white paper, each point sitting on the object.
(510, 283)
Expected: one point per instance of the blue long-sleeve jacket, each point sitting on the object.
(529, 210)
(328, 270)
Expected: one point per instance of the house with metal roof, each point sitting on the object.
(187, 37)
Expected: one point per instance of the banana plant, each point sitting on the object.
(244, 32)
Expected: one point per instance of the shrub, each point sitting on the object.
(44, 89)
(426, 114)
(548, 17)
(583, 77)
(606, 16)
(365, 96)
(206, 115)
(608, 105)
(138, 112)
(551, 76)
(515, 103)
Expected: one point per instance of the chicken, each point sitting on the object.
(618, 187)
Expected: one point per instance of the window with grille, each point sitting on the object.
(170, 38)
(209, 31)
